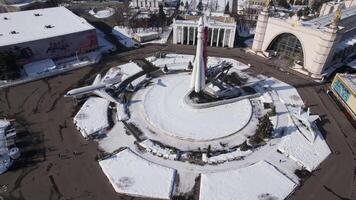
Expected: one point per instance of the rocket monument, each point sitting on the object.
(198, 75)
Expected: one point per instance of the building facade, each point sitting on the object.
(344, 88)
(38, 34)
(315, 47)
(221, 32)
(146, 4)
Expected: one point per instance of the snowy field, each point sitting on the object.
(101, 14)
(92, 117)
(249, 183)
(130, 174)
(166, 111)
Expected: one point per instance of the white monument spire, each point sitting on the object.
(198, 76)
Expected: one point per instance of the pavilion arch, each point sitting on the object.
(288, 48)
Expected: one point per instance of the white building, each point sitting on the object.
(221, 31)
(39, 34)
(315, 47)
(147, 4)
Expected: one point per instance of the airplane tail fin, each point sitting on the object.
(97, 79)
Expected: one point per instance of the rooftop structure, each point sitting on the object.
(25, 26)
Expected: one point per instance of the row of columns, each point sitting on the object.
(180, 36)
(146, 3)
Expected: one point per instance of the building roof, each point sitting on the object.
(325, 20)
(349, 80)
(25, 26)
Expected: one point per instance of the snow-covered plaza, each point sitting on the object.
(208, 130)
(200, 147)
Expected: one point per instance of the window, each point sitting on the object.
(288, 47)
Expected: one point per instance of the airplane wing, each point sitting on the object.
(105, 95)
(313, 118)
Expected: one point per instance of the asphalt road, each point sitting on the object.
(50, 170)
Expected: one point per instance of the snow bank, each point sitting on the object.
(124, 37)
(173, 61)
(180, 61)
(158, 150)
(298, 148)
(212, 61)
(132, 175)
(237, 154)
(39, 67)
(107, 12)
(92, 117)
(249, 183)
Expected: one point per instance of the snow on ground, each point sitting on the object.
(237, 154)
(39, 67)
(163, 37)
(212, 61)
(307, 154)
(130, 174)
(126, 70)
(186, 182)
(166, 111)
(92, 117)
(105, 13)
(124, 37)
(116, 138)
(158, 150)
(287, 93)
(181, 61)
(173, 61)
(246, 184)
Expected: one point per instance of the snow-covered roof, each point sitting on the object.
(328, 19)
(25, 26)
(92, 117)
(246, 184)
(350, 80)
(130, 174)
